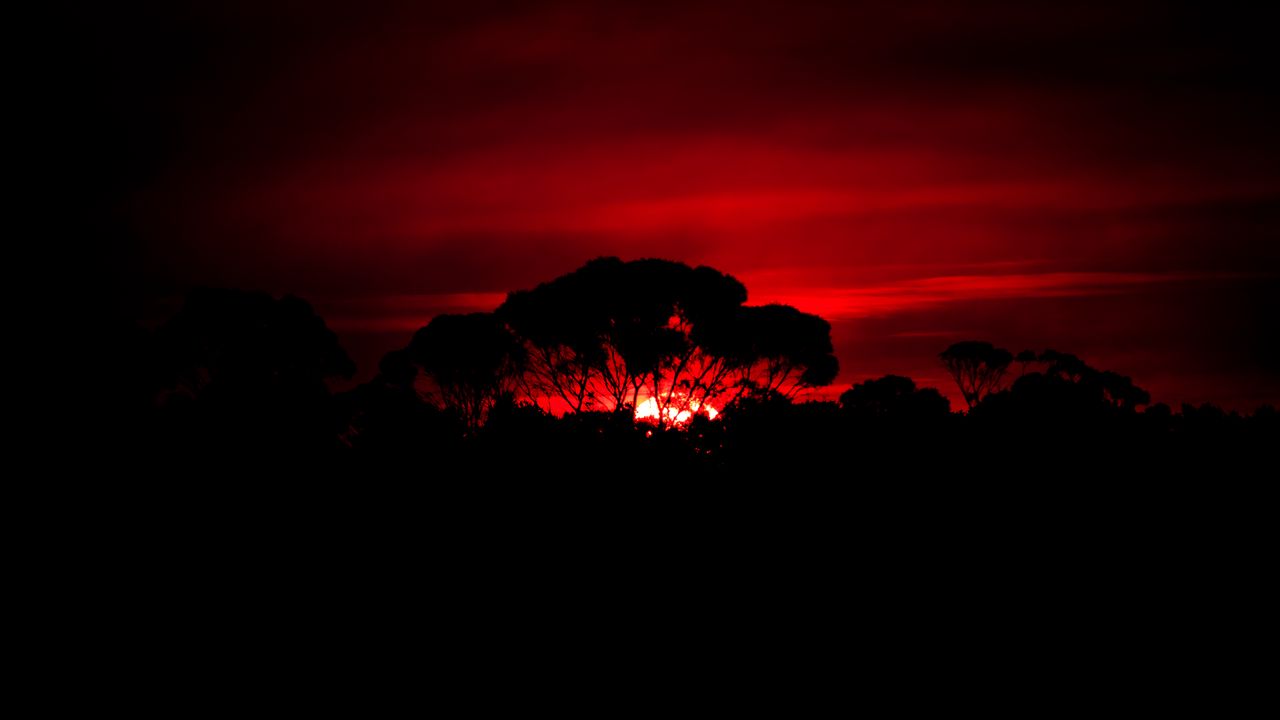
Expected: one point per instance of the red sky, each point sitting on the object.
(1101, 179)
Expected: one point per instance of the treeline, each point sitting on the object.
(553, 379)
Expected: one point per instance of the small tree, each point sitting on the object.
(978, 368)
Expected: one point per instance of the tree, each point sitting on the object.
(594, 336)
(678, 340)
(1025, 358)
(232, 339)
(388, 418)
(1114, 388)
(978, 368)
(894, 398)
(1121, 392)
(788, 349)
(249, 370)
(473, 360)
(1065, 365)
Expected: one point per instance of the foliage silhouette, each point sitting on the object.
(1025, 358)
(238, 375)
(388, 418)
(472, 359)
(977, 367)
(242, 370)
(894, 398)
(614, 334)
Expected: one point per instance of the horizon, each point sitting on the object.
(938, 379)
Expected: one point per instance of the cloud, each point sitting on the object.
(839, 303)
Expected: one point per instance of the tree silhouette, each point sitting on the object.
(894, 398)
(1065, 365)
(387, 417)
(786, 349)
(595, 335)
(239, 376)
(1069, 398)
(472, 359)
(244, 339)
(614, 334)
(1025, 358)
(1121, 391)
(1116, 389)
(242, 368)
(978, 367)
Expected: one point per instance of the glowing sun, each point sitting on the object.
(648, 410)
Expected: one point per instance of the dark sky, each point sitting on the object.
(1098, 178)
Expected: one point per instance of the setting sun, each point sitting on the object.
(648, 410)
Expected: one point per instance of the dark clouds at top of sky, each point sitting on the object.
(422, 149)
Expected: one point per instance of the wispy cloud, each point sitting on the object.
(895, 297)
(408, 312)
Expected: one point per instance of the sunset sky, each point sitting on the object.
(1098, 178)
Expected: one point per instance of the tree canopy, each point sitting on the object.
(473, 360)
(617, 334)
(894, 398)
(244, 369)
(978, 368)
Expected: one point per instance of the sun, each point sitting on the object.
(648, 410)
